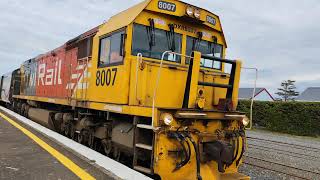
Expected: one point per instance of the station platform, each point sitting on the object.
(27, 153)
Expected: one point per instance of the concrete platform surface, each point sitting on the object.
(76, 157)
(22, 158)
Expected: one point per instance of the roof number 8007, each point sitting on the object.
(167, 6)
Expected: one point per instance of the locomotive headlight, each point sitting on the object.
(197, 13)
(245, 121)
(190, 11)
(167, 119)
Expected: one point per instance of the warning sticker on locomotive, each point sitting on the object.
(163, 5)
(159, 21)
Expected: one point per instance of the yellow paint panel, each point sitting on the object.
(113, 93)
(170, 89)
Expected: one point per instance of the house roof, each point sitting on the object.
(246, 93)
(311, 94)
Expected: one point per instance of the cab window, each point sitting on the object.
(111, 49)
(207, 48)
(153, 44)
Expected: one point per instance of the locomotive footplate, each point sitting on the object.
(208, 114)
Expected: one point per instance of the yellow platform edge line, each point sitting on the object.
(82, 174)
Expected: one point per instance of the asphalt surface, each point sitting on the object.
(22, 158)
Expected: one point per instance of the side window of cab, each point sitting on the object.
(111, 49)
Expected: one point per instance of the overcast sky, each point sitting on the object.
(280, 38)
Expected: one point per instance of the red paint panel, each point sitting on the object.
(54, 73)
(58, 72)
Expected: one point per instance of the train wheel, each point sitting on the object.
(14, 106)
(83, 137)
(67, 130)
(73, 134)
(107, 146)
(19, 106)
(99, 146)
(116, 154)
(91, 139)
(80, 138)
(26, 110)
(23, 108)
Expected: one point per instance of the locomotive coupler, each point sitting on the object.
(222, 150)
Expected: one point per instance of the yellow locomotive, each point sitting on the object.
(148, 88)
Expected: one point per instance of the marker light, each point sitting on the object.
(197, 13)
(190, 11)
(167, 119)
(245, 121)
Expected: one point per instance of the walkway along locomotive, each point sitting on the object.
(148, 88)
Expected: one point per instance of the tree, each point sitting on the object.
(287, 92)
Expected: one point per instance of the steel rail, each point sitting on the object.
(284, 165)
(280, 151)
(292, 175)
(289, 144)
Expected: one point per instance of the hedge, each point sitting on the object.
(298, 118)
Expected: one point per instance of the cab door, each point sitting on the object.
(110, 72)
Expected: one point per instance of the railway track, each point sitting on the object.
(298, 152)
(284, 152)
(294, 145)
(282, 168)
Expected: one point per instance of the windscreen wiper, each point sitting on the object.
(151, 33)
(171, 38)
(196, 42)
(215, 41)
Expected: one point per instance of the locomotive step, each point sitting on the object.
(144, 126)
(144, 146)
(143, 169)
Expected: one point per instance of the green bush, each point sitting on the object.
(298, 118)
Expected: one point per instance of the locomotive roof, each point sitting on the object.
(126, 17)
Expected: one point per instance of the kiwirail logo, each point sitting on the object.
(49, 76)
